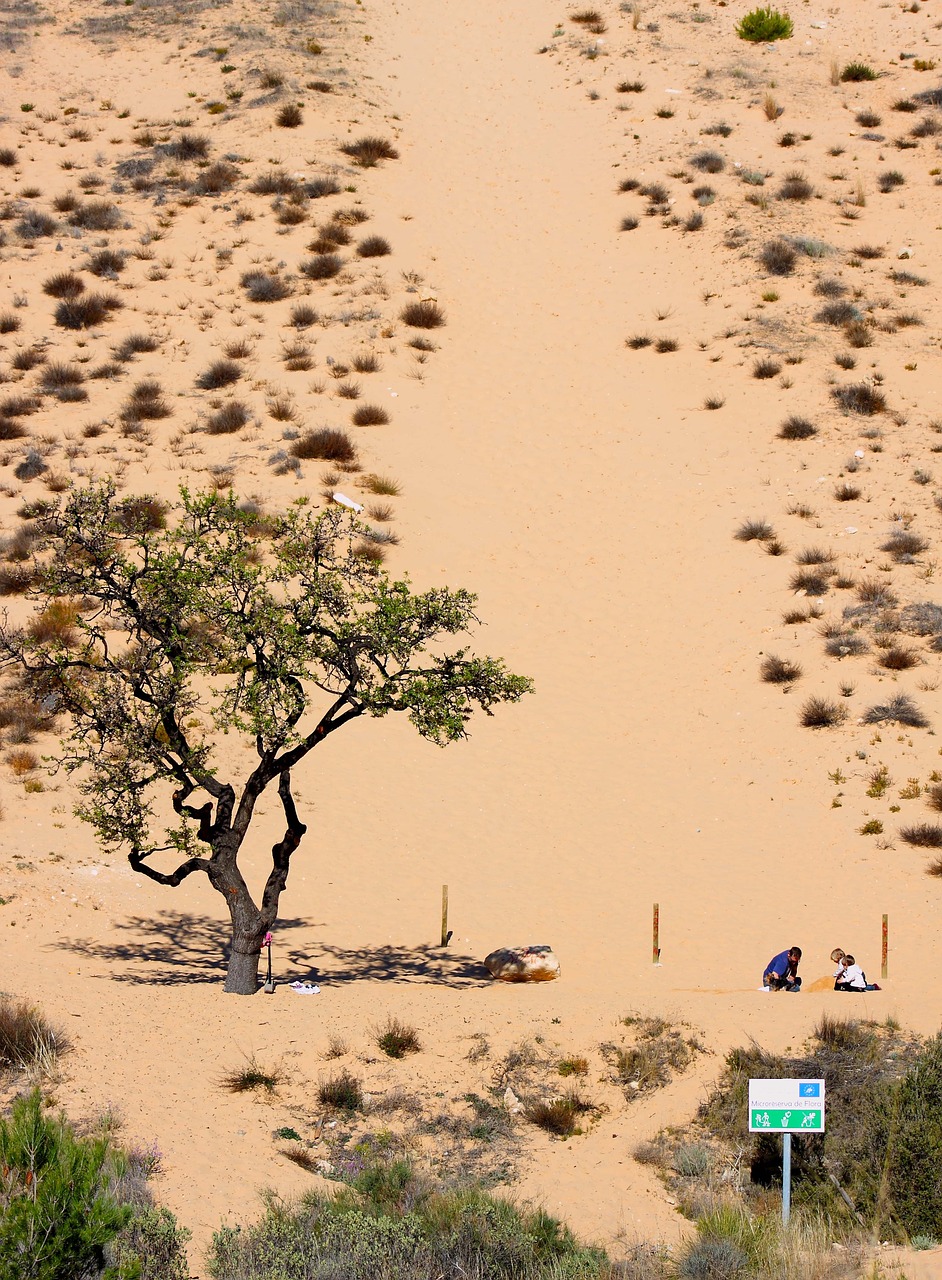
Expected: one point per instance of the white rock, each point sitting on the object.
(511, 1101)
(905, 252)
(523, 964)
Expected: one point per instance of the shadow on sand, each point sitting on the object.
(176, 948)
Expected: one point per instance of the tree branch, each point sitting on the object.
(185, 869)
(282, 851)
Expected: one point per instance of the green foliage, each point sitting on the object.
(390, 1225)
(57, 1209)
(857, 71)
(151, 1247)
(914, 1155)
(762, 25)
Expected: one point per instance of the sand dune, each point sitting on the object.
(580, 486)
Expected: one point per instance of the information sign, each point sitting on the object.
(786, 1106)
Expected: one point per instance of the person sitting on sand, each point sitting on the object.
(849, 975)
(781, 973)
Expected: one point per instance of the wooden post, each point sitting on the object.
(656, 936)
(885, 946)
(444, 915)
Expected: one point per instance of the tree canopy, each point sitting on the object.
(161, 630)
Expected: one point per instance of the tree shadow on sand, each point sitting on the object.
(339, 966)
(177, 948)
(171, 948)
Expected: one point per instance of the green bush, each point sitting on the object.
(151, 1247)
(57, 1209)
(762, 25)
(389, 1225)
(857, 71)
(914, 1154)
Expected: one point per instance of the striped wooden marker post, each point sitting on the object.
(656, 935)
(444, 915)
(886, 920)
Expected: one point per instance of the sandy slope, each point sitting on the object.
(582, 489)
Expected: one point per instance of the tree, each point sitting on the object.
(57, 1207)
(157, 636)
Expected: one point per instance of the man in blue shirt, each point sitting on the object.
(781, 973)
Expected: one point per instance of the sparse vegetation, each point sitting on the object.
(763, 25)
(341, 1092)
(252, 1077)
(396, 1038)
(369, 151)
(422, 315)
(822, 713)
(779, 670)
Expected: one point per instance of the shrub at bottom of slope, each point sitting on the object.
(389, 1222)
(883, 1143)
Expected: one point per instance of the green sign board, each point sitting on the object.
(792, 1121)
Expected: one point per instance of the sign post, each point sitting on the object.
(786, 1107)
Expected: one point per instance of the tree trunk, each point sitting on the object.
(248, 934)
(242, 974)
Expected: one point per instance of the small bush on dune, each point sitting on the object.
(422, 315)
(97, 215)
(189, 146)
(855, 72)
(231, 417)
(221, 373)
(763, 25)
(396, 1039)
(27, 1039)
(838, 313)
(797, 428)
(860, 397)
(289, 116)
(779, 670)
(778, 258)
(326, 444)
(276, 182)
(251, 1077)
(65, 284)
(795, 187)
(342, 1092)
(559, 1116)
(822, 713)
(107, 262)
(263, 286)
(86, 311)
(370, 415)
(369, 151)
(215, 179)
(323, 267)
(899, 710)
(708, 162)
(754, 531)
(923, 835)
(373, 247)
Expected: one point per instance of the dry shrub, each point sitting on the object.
(233, 416)
(27, 1040)
(64, 284)
(369, 415)
(325, 443)
(86, 311)
(822, 713)
(55, 625)
(369, 151)
(22, 761)
(422, 315)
